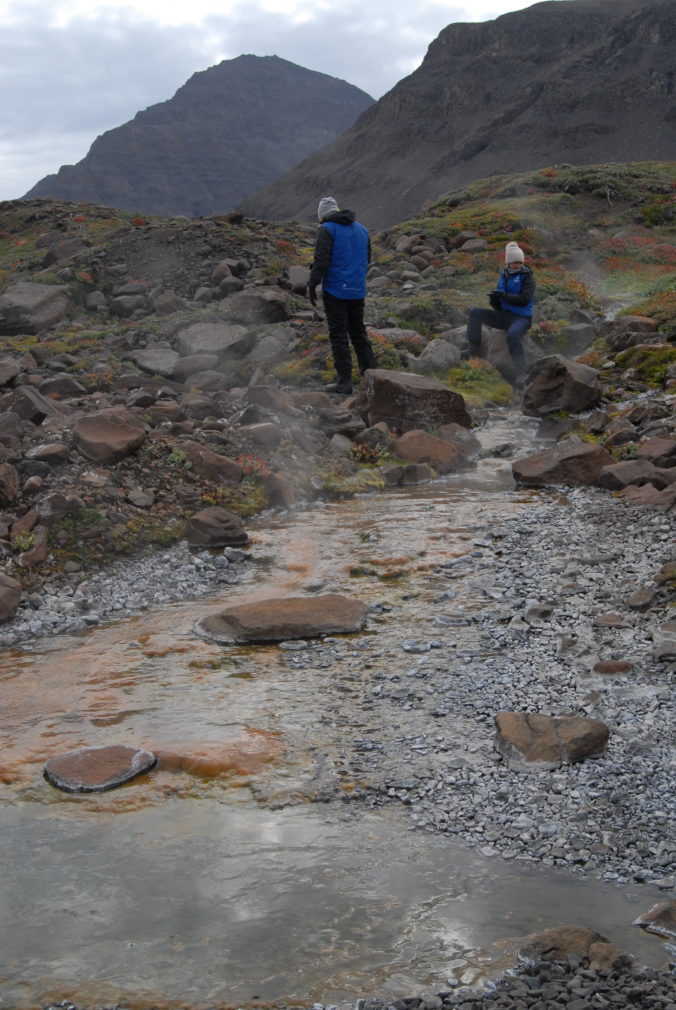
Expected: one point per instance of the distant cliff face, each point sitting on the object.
(577, 81)
(227, 132)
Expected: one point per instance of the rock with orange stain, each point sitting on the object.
(284, 618)
(97, 769)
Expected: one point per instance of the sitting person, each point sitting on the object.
(511, 310)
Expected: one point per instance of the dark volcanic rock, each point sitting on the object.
(215, 527)
(405, 401)
(228, 131)
(566, 463)
(582, 68)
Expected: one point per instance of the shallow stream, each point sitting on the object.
(218, 878)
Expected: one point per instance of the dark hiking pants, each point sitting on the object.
(345, 319)
(515, 326)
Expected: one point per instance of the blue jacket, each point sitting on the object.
(342, 255)
(517, 291)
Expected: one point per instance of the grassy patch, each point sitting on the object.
(478, 382)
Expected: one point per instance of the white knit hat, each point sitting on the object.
(513, 254)
(327, 205)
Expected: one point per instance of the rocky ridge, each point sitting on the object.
(228, 131)
(554, 84)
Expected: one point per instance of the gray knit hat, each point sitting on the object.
(513, 254)
(327, 205)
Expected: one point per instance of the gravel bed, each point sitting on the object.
(124, 589)
(544, 985)
(547, 580)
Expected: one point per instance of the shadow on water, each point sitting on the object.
(215, 878)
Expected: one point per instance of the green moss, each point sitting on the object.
(340, 485)
(649, 360)
(478, 382)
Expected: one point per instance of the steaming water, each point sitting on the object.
(215, 879)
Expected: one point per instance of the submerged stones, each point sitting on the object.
(97, 769)
(277, 620)
(527, 736)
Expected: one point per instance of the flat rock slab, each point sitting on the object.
(552, 740)
(285, 618)
(97, 769)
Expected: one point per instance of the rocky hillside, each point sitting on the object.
(571, 81)
(162, 378)
(228, 131)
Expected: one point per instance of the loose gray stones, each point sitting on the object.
(97, 769)
(277, 620)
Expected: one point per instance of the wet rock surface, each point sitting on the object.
(97, 769)
(276, 620)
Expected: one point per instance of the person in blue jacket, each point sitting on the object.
(341, 259)
(511, 310)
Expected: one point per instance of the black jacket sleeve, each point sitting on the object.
(322, 258)
(527, 292)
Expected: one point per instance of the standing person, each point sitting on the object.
(511, 310)
(342, 256)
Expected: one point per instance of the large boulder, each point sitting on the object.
(467, 444)
(279, 619)
(418, 447)
(107, 436)
(527, 737)
(648, 496)
(27, 307)
(617, 476)
(557, 384)
(10, 597)
(215, 527)
(566, 463)
(31, 405)
(156, 361)
(659, 450)
(97, 769)
(9, 369)
(626, 331)
(405, 401)
(258, 305)
(438, 356)
(272, 346)
(495, 350)
(220, 339)
(208, 464)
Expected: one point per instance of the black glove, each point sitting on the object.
(312, 295)
(494, 298)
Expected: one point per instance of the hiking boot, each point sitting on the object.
(342, 386)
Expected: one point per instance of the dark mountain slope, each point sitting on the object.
(579, 81)
(227, 132)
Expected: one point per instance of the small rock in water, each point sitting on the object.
(97, 769)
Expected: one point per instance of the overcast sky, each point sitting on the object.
(72, 69)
